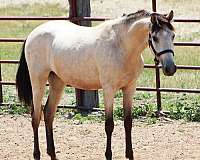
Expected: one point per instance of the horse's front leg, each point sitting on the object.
(109, 93)
(127, 105)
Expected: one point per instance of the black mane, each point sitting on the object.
(162, 19)
(132, 17)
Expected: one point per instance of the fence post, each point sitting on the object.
(154, 5)
(81, 8)
(158, 93)
(1, 92)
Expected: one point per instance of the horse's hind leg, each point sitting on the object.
(56, 87)
(38, 87)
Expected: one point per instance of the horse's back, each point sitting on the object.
(60, 29)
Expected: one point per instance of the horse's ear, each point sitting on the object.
(170, 16)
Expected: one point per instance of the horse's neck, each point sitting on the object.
(137, 37)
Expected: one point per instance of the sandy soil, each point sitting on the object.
(162, 141)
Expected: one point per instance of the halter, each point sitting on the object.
(158, 54)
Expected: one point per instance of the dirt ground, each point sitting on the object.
(162, 141)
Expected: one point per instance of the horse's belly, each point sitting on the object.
(79, 75)
(86, 85)
(81, 81)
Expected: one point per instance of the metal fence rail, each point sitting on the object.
(157, 89)
(36, 18)
(175, 43)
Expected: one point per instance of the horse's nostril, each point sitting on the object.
(169, 70)
(173, 69)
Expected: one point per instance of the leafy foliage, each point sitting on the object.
(185, 108)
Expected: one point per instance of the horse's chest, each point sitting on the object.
(128, 76)
(131, 73)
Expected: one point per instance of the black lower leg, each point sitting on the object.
(128, 128)
(109, 127)
(49, 132)
(50, 142)
(36, 152)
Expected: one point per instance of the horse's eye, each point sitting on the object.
(155, 39)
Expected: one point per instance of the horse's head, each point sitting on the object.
(161, 38)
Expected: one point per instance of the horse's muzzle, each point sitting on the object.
(168, 67)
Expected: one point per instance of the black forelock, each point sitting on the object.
(156, 27)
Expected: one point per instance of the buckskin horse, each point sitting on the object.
(106, 56)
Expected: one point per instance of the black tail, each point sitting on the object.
(23, 83)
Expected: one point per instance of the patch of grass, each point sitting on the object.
(181, 106)
(20, 29)
(151, 120)
(88, 117)
(119, 94)
(69, 90)
(9, 94)
(142, 96)
(146, 109)
(185, 107)
(14, 109)
(118, 112)
(182, 78)
(35, 9)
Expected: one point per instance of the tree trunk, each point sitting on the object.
(81, 8)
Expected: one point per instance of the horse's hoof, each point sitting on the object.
(36, 155)
(129, 155)
(108, 155)
(54, 158)
(52, 154)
